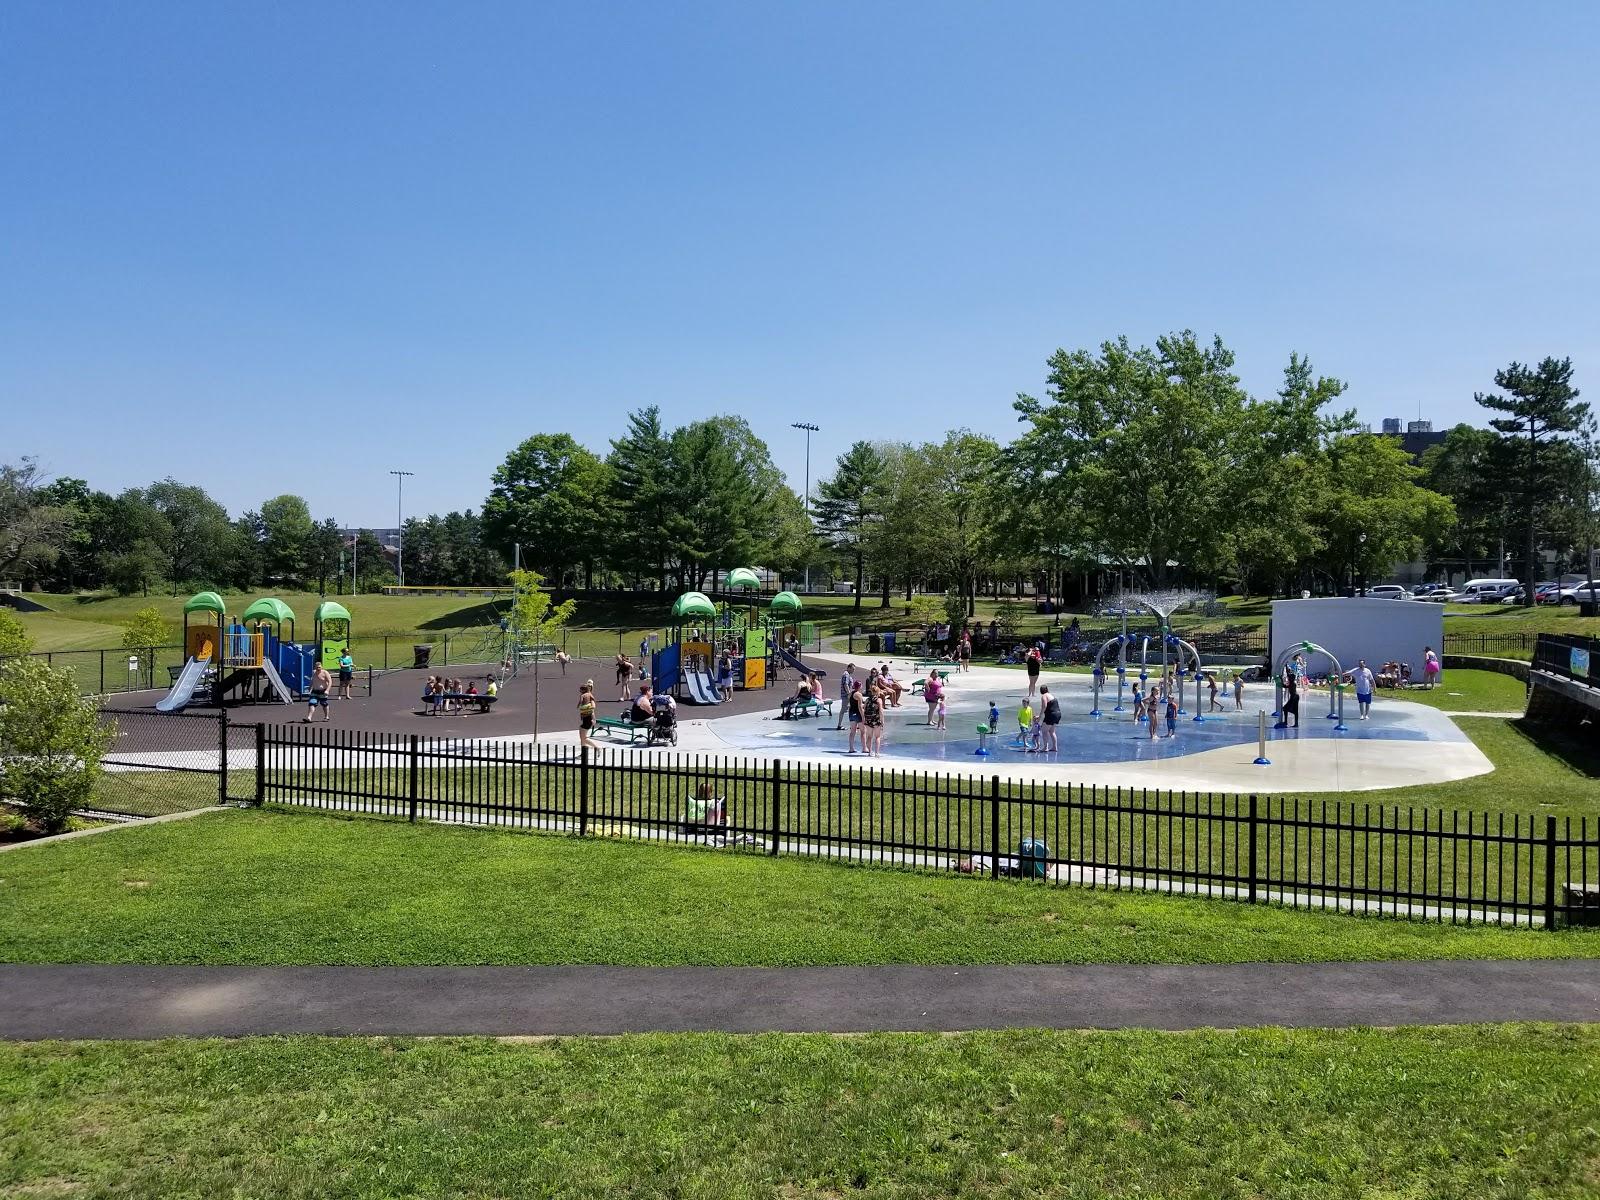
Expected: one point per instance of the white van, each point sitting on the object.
(1487, 591)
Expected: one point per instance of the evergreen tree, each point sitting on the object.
(638, 487)
(846, 506)
(1541, 410)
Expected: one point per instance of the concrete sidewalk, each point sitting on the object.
(149, 1002)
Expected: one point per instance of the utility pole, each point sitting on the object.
(809, 430)
(400, 520)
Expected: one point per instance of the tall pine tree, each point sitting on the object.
(1541, 410)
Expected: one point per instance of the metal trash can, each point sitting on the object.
(420, 656)
(873, 643)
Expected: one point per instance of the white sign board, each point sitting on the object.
(1356, 627)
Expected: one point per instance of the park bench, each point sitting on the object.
(616, 726)
(811, 708)
(918, 685)
(435, 704)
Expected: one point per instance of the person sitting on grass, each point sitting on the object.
(707, 810)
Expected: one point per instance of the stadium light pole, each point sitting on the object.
(400, 520)
(809, 430)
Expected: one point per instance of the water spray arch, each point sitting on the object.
(1335, 682)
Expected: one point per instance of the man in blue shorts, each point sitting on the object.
(1361, 677)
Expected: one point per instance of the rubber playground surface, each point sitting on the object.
(1403, 743)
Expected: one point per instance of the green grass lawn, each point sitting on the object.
(274, 887)
(1462, 690)
(1536, 771)
(1500, 1111)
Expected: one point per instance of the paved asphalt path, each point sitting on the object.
(147, 1002)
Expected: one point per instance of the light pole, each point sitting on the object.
(809, 430)
(400, 520)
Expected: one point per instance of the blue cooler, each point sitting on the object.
(1033, 858)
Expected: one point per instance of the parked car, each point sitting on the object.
(1487, 591)
(1420, 590)
(1581, 594)
(1388, 591)
(1548, 592)
(1441, 595)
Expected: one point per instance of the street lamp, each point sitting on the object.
(1361, 541)
(399, 517)
(809, 430)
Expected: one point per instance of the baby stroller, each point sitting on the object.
(663, 723)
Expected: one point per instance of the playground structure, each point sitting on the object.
(251, 655)
(753, 639)
(1335, 682)
(1163, 606)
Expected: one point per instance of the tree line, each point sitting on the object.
(62, 535)
(1153, 462)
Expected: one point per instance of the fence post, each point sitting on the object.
(447, 649)
(994, 823)
(583, 791)
(1549, 872)
(386, 652)
(102, 672)
(777, 805)
(261, 764)
(412, 764)
(222, 755)
(1252, 852)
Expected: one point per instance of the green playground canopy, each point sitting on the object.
(332, 610)
(205, 602)
(693, 604)
(269, 608)
(785, 602)
(743, 577)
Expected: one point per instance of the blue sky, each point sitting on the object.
(287, 247)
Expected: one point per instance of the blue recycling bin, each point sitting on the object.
(888, 642)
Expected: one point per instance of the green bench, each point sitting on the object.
(616, 726)
(810, 708)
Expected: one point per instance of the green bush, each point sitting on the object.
(51, 742)
(145, 629)
(14, 638)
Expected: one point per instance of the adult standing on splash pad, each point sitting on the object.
(1033, 661)
(1362, 680)
(1291, 696)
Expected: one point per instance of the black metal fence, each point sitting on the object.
(162, 763)
(1575, 658)
(1306, 853)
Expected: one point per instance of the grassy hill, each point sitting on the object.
(92, 622)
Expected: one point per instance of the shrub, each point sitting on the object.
(145, 629)
(14, 638)
(51, 742)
